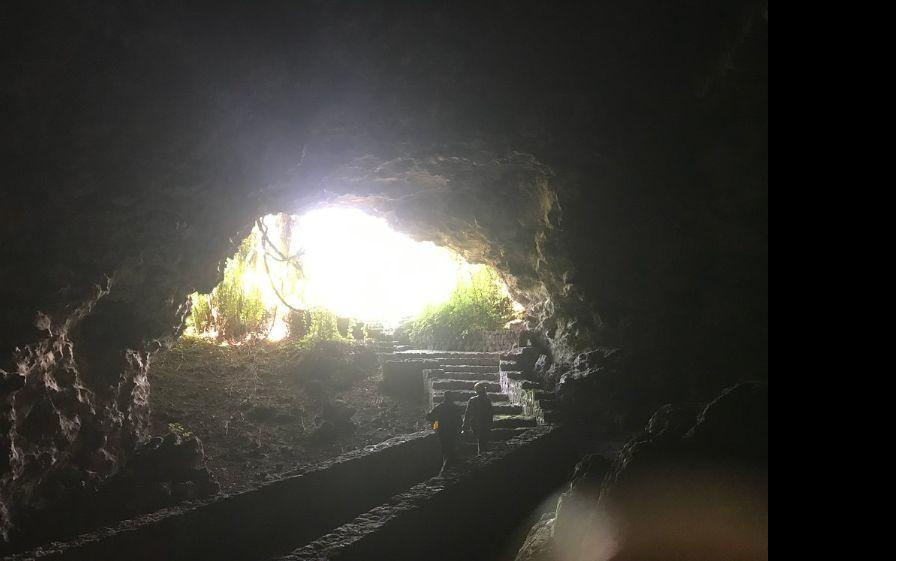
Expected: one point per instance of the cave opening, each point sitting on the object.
(608, 160)
(351, 268)
(288, 359)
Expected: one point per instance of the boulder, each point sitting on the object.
(689, 487)
(574, 505)
(537, 545)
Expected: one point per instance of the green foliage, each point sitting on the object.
(474, 306)
(298, 324)
(231, 310)
(201, 316)
(357, 330)
(180, 430)
(323, 326)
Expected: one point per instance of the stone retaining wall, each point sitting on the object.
(269, 520)
(525, 397)
(488, 341)
(465, 516)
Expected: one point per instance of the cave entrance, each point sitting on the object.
(341, 265)
(281, 364)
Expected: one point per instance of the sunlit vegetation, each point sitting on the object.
(479, 302)
(325, 275)
(232, 311)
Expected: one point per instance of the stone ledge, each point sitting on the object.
(533, 401)
(487, 496)
(269, 519)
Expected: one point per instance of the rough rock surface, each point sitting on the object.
(610, 159)
(421, 523)
(696, 492)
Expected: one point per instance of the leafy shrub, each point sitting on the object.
(323, 326)
(201, 316)
(476, 305)
(357, 330)
(298, 324)
(231, 310)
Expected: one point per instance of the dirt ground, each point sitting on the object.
(263, 409)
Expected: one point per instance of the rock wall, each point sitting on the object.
(610, 159)
(693, 485)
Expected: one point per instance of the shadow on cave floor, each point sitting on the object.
(225, 419)
(263, 409)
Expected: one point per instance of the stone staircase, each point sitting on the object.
(459, 371)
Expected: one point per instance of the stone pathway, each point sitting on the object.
(458, 371)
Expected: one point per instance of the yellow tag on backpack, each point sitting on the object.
(436, 425)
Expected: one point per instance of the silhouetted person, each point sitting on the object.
(446, 418)
(479, 416)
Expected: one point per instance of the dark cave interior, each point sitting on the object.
(608, 159)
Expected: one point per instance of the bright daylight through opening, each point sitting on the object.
(337, 259)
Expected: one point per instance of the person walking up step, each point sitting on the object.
(479, 416)
(446, 419)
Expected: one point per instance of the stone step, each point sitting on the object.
(485, 376)
(513, 421)
(547, 403)
(465, 395)
(502, 434)
(552, 416)
(425, 354)
(488, 361)
(469, 368)
(507, 409)
(454, 384)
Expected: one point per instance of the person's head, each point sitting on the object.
(480, 388)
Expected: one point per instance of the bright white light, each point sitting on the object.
(351, 263)
(355, 265)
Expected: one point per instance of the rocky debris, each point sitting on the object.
(674, 491)
(173, 458)
(161, 472)
(334, 422)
